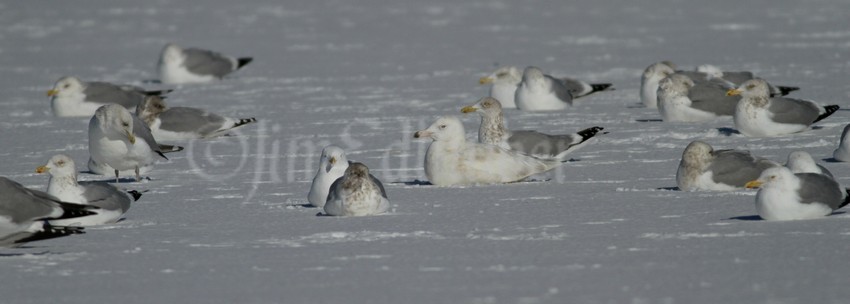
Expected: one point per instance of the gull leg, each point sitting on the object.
(138, 178)
(116, 176)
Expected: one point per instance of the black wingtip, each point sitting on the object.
(136, 195)
(786, 90)
(244, 121)
(158, 92)
(169, 149)
(829, 110)
(590, 132)
(50, 231)
(243, 61)
(846, 199)
(597, 87)
(75, 210)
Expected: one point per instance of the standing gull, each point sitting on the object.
(63, 185)
(802, 162)
(842, 153)
(493, 131)
(703, 168)
(540, 92)
(784, 195)
(72, 97)
(182, 123)
(759, 115)
(506, 79)
(680, 99)
(113, 134)
(357, 193)
(24, 214)
(450, 160)
(331, 167)
(177, 65)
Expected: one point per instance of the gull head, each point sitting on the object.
(697, 153)
(532, 73)
(171, 53)
(357, 170)
(150, 107)
(801, 162)
(505, 74)
(486, 106)
(446, 128)
(59, 165)
(776, 177)
(116, 120)
(751, 88)
(333, 156)
(66, 86)
(659, 70)
(710, 70)
(676, 83)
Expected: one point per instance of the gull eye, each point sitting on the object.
(486, 104)
(772, 177)
(502, 74)
(61, 163)
(125, 124)
(750, 87)
(442, 127)
(67, 85)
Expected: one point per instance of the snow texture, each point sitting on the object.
(224, 220)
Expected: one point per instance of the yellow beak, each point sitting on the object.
(468, 109)
(332, 160)
(52, 92)
(131, 137)
(753, 184)
(42, 169)
(733, 92)
(485, 80)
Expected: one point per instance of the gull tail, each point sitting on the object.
(783, 90)
(49, 232)
(168, 149)
(590, 133)
(243, 61)
(846, 199)
(585, 135)
(599, 87)
(829, 110)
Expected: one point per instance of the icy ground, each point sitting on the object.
(223, 221)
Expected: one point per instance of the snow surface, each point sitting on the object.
(223, 221)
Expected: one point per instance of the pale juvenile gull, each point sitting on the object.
(183, 123)
(784, 195)
(357, 193)
(331, 167)
(113, 203)
(759, 115)
(802, 162)
(649, 80)
(450, 160)
(178, 66)
(506, 79)
(72, 97)
(540, 92)
(842, 153)
(493, 131)
(680, 99)
(703, 168)
(121, 141)
(24, 214)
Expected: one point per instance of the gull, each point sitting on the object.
(506, 79)
(784, 195)
(493, 131)
(24, 214)
(72, 97)
(357, 193)
(192, 65)
(182, 123)
(332, 166)
(759, 115)
(703, 168)
(450, 160)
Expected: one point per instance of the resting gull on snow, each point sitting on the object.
(506, 79)
(541, 92)
(450, 160)
(331, 167)
(24, 214)
(357, 193)
(703, 168)
(113, 203)
(182, 123)
(802, 162)
(72, 97)
(784, 195)
(680, 99)
(493, 131)
(759, 115)
(121, 141)
(192, 65)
